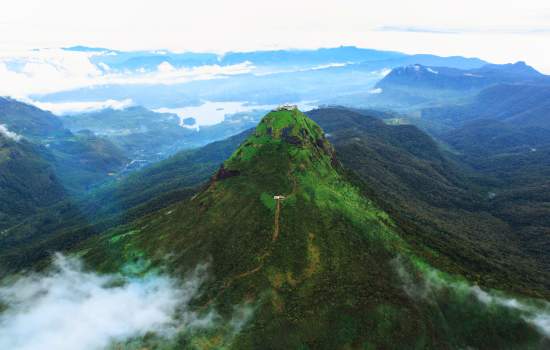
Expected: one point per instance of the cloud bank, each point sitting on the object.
(35, 72)
(63, 108)
(68, 308)
(9, 134)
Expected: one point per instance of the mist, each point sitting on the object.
(431, 283)
(4, 131)
(68, 307)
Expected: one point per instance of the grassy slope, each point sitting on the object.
(65, 224)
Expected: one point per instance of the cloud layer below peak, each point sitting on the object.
(35, 72)
(70, 308)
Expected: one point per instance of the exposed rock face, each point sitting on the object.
(225, 173)
(287, 137)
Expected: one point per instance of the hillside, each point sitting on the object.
(28, 120)
(161, 182)
(27, 182)
(80, 161)
(437, 201)
(68, 222)
(146, 137)
(322, 264)
(521, 105)
(143, 135)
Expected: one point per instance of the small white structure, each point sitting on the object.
(286, 107)
(278, 197)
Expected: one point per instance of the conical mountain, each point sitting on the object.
(285, 231)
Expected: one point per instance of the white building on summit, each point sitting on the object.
(286, 107)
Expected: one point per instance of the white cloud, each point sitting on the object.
(42, 71)
(382, 72)
(69, 308)
(50, 70)
(9, 134)
(330, 65)
(104, 66)
(63, 108)
(165, 67)
(375, 91)
(270, 70)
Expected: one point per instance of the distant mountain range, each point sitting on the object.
(296, 58)
(416, 86)
(446, 78)
(162, 79)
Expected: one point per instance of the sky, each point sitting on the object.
(495, 30)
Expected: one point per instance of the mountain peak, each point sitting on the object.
(518, 70)
(284, 135)
(289, 124)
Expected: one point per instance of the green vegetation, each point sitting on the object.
(375, 245)
(328, 280)
(84, 161)
(437, 203)
(80, 161)
(27, 182)
(65, 224)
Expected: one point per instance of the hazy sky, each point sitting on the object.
(496, 30)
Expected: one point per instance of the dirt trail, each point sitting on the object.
(277, 215)
(274, 238)
(278, 199)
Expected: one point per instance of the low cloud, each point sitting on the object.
(9, 134)
(35, 72)
(70, 308)
(270, 70)
(433, 283)
(165, 67)
(63, 108)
